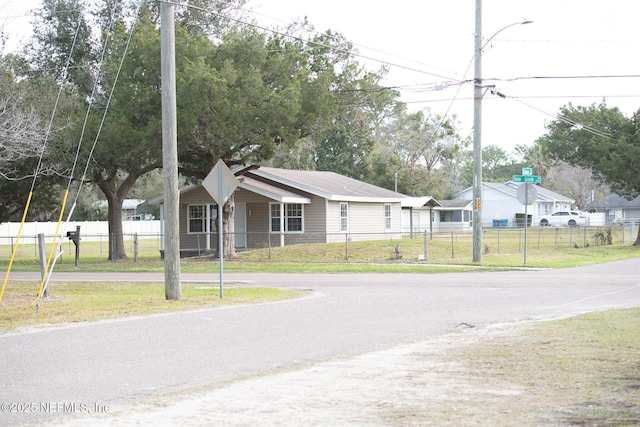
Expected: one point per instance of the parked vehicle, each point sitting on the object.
(570, 218)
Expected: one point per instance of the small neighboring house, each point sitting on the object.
(129, 208)
(455, 215)
(500, 202)
(417, 214)
(433, 216)
(616, 208)
(277, 207)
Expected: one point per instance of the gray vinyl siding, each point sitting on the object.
(314, 225)
(257, 211)
(366, 221)
(195, 241)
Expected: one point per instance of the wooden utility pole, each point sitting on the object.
(477, 137)
(170, 154)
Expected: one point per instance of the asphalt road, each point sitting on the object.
(82, 367)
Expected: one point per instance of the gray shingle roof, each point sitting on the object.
(272, 192)
(511, 188)
(613, 201)
(329, 185)
(458, 203)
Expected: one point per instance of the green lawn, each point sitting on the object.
(547, 247)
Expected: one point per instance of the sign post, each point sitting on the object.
(220, 184)
(526, 195)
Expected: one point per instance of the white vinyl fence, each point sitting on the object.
(90, 231)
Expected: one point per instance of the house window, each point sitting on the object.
(293, 217)
(344, 217)
(387, 217)
(197, 218)
(450, 216)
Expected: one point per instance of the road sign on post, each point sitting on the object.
(220, 184)
(220, 174)
(536, 179)
(526, 194)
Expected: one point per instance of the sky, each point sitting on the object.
(574, 51)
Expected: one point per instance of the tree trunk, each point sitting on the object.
(116, 239)
(228, 227)
(637, 242)
(228, 224)
(114, 212)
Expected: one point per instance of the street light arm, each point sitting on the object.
(524, 22)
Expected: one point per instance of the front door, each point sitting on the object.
(240, 226)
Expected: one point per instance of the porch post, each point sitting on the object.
(161, 227)
(207, 226)
(282, 224)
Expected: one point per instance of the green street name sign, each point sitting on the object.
(527, 178)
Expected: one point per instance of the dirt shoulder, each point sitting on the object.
(577, 371)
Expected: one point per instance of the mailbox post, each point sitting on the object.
(74, 236)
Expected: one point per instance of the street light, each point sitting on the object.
(477, 129)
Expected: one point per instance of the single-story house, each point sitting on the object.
(500, 202)
(277, 207)
(616, 208)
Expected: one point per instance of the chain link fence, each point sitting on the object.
(353, 247)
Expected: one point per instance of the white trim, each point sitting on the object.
(345, 217)
(283, 217)
(207, 219)
(202, 219)
(388, 219)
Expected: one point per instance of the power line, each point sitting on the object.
(468, 98)
(334, 48)
(577, 77)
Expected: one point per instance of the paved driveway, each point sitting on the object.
(125, 360)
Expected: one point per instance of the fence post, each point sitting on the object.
(520, 240)
(426, 246)
(346, 246)
(555, 245)
(498, 239)
(540, 231)
(43, 263)
(135, 247)
(452, 249)
(269, 240)
(570, 237)
(76, 242)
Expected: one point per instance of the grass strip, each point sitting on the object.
(90, 301)
(583, 370)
